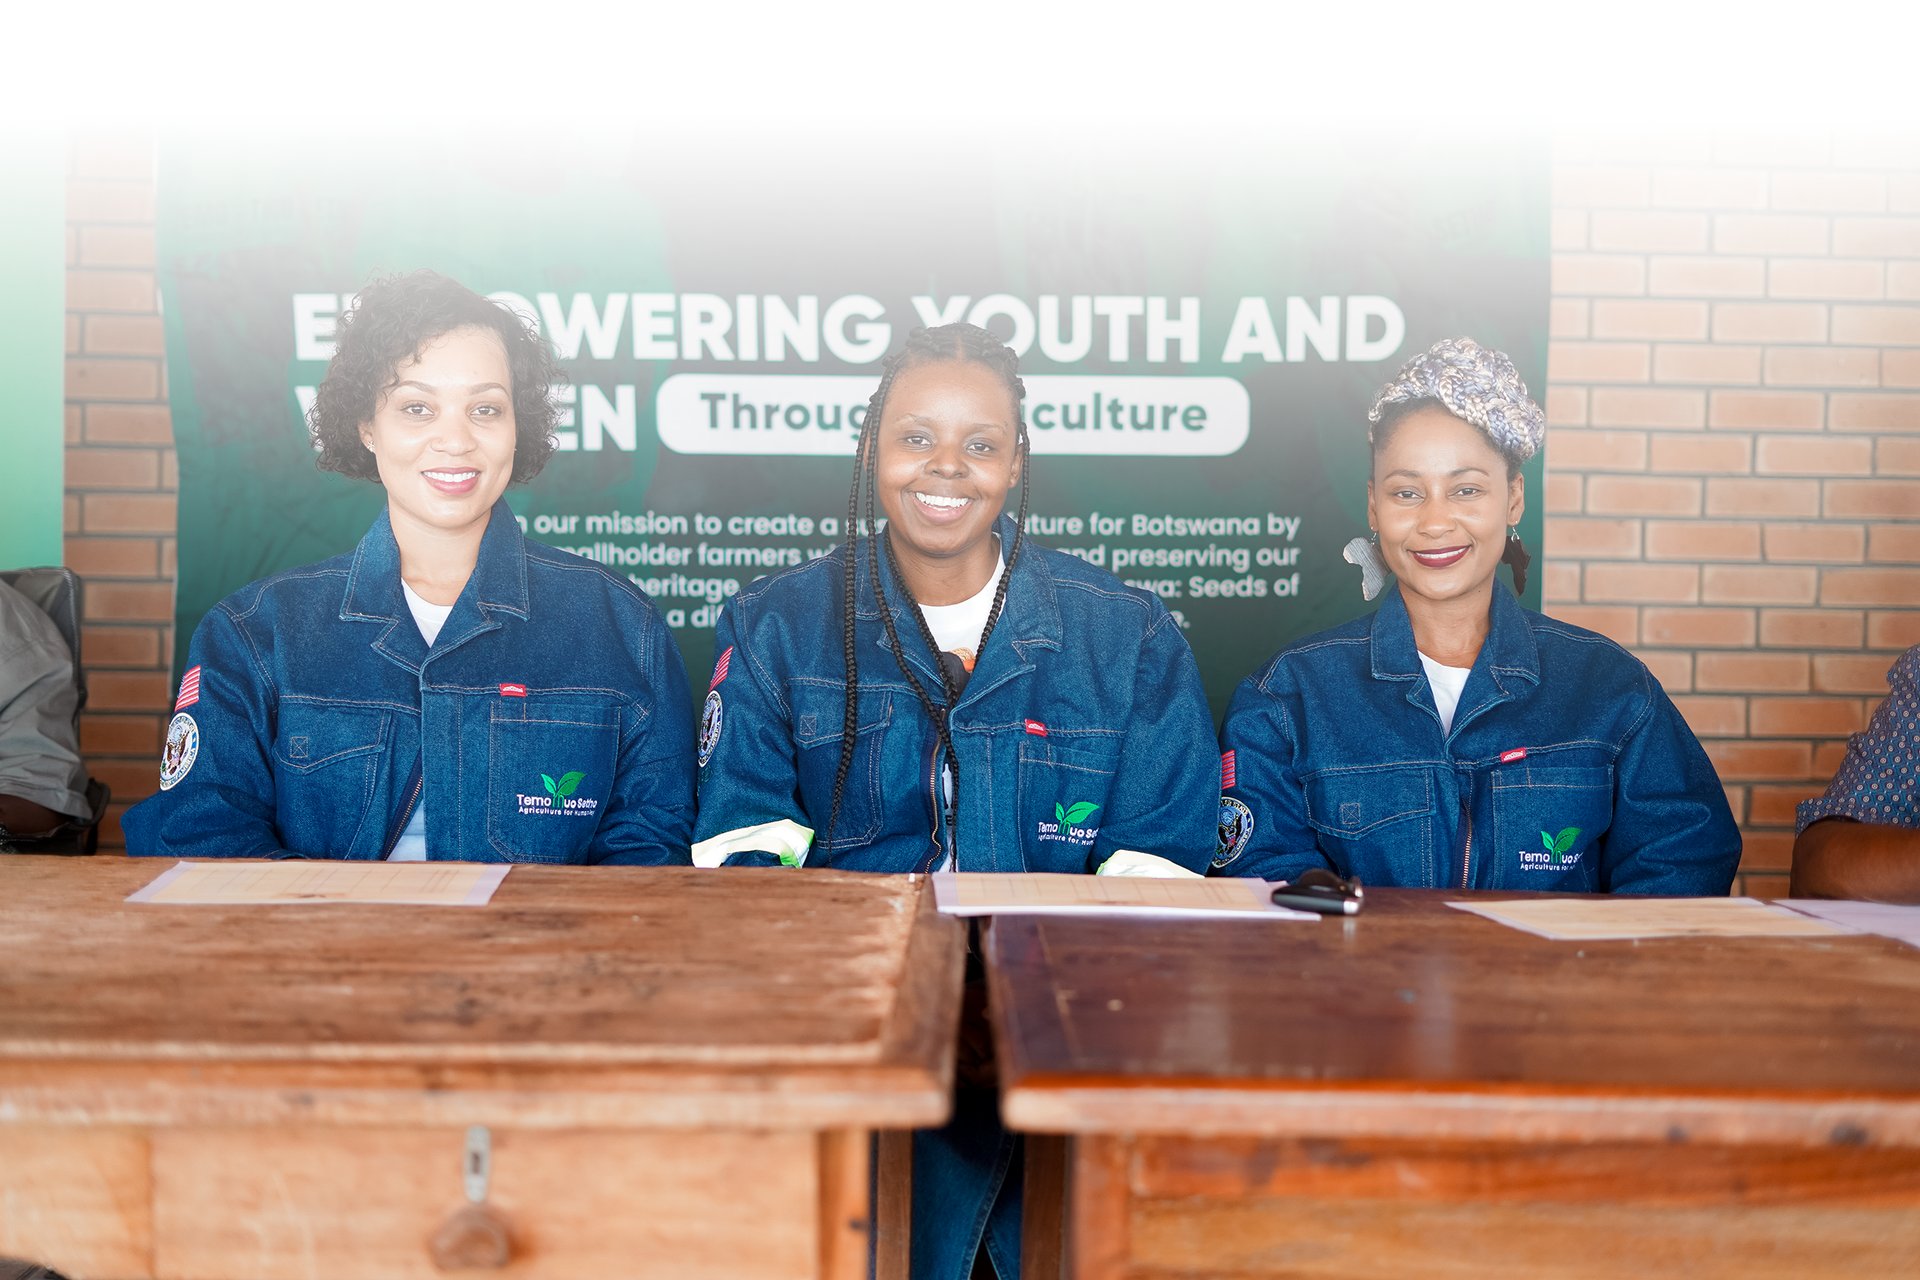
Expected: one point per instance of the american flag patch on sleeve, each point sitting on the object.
(1226, 770)
(189, 689)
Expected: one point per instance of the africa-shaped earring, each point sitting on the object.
(1513, 533)
(1365, 553)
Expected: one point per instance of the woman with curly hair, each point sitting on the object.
(448, 690)
(1453, 739)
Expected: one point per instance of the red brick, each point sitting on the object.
(1751, 672)
(1852, 672)
(1811, 628)
(70, 513)
(1760, 761)
(129, 424)
(129, 602)
(109, 200)
(1738, 496)
(1632, 232)
(1825, 191)
(1814, 455)
(1595, 187)
(1769, 322)
(1559, 579)
(1598, 275)
(1669, 321)
(1719, 454)
(74, 418)
(1708, 277)
(1702, 540)
(1774, 805)
(1710, 189)
(1646, 407)
(116, 246)
(93, 558)
(1674, 670)
(1812, 717)
(1757, 584)
(1893, 629)
(1769, 233)
(1642, 496)
(125, 336)
(1698, 627)
(1879, 585)
(1826, 279)
(1766, 410)
(1568, 229)
(1903, 189)
(130, 291)
(1876, 237)
(1574, 538)
(1821, 367)
(1567, 318)
(1826, 762)
(128, 691)
(1618, 624)
(1894, 326)
(169, 471)
(119, 154)
(1895, 542)
(112, 379)
(1900, 368)
(112, 468)
(1713, 717)
(1859, 147)
(1896, 499)
(129, 513)
(1903, 280)
(1763, 852)
(1598, 451)
(106, 646)
(1723, 366)
(168, 568)
(1863, 412)
(128, 777)
(1598, 361)
(1563, 494)
(1566, 406)
(73, 335)
(1897, 457)
(122, 735)
(1608, 583)
(1816, 543)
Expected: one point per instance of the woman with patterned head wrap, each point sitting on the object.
(1453, 738)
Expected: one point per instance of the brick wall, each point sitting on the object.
(1733, 484)
(1734, 471)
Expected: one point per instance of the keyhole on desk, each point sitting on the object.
(475, 1236)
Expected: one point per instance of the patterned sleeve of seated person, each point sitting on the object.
(1453, 739)
(1861, 837)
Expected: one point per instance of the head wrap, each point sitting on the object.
(1477, 385)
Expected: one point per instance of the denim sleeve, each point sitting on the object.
(1672, 831)
(748, 773)
(222, 804)
(649, 818)
(1263, 828)
(1163, 796)
(1879, 781)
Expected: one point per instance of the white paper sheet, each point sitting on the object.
(1597, 919)
(304, 883)
(976, 893)
(1887, 919)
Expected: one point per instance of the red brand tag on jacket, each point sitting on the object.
(1037, 729)
(513, 691)
(1226, 770)
(1508, 757)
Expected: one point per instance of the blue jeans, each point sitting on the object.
(966, 1191)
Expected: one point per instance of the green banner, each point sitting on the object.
(1201, 336)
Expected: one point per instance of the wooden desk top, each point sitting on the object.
(1416, 1019)
(581, 996)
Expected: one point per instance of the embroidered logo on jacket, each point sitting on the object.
(710, 716)
(559, 801)
(1235, 830)
(182, 749)
(1557, 856)
(1066, 825)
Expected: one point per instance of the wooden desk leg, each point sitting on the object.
(1043, 1208)
(893, 1205)
(845, 1214)
(1097, 1208)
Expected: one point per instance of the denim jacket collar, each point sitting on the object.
(1510, 653)
(1030, 619)
(498, 584)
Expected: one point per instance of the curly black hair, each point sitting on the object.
(391, 319)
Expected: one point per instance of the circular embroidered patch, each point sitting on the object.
(709, 727)
(183, 747)
(1236, 828)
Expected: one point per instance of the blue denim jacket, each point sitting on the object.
(1567, 768)
(1086, 705)
(321, 717)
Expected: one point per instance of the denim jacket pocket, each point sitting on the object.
(327, 764)
(1548, 824)
(1377, 822)
(1064, 784)
(819, 719)
(549, 780)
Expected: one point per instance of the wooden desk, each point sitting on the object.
(1423, 1093)
(680, 1071)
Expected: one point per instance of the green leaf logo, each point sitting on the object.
(1562, 843)
(1060, 814)
(569, 783)
(1079, 813)
(553, 788)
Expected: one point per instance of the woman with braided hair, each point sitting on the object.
(1454, 739)
(941, 692)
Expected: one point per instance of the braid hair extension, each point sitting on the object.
(960, 342)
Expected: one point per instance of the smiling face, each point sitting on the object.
(948, 442)
(1441, 500)
(443, 434)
